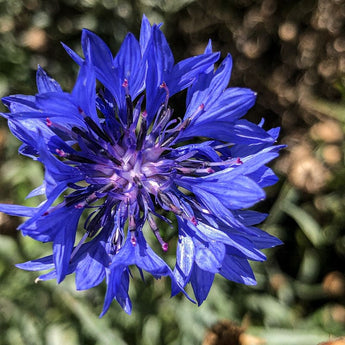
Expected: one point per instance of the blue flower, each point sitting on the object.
(117, 154)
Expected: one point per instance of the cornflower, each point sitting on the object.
(118, 154)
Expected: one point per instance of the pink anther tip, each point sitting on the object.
(165, 246)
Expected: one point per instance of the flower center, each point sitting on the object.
(130, 166)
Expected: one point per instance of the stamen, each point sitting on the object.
(133, 238)
(171, 139)
(206, 171)
(176, 132)
(164, 115)
(136, 179)
(155, 231)
(131, 224)
(61, 153)
(93, 125)
(200, 208)
(164, 198)
(197, 112)
(116, 241)
(186, 156)
(166, 131)
(185, 124)
(193, 162)
(95, 195)
(176, 210)
(129, 110)
(90, 142)
(222, 146)
(48, 122)
(81, 111)
(80, 132)
(81, 242)
(165, 87)
(112, 158)
(186, 170)
(136, 113)
(78, 159)
(125, 86)
(194, 221)
(142, 134)
(128, 103)
(158, 116)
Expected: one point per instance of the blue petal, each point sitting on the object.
(274, 133)
(142, 256)
(100, 56)
(130, 66)
(44, 228)
(73, 54)
(201, 282)
(238, 132)
(185, 255)
(160, 63)
(48, 276)
(261, 238)
(232, 238)
(57, 174)
(186, 72)
(246, 245)
(63, 242)
(217, 209)
(40, 190)
(208, 48)
(46, 83)
(89, 272)
(62, 246)
(209, 257)
(232, 190)
(145, 34)
(84, 92)
(254, 162)
(117, 287)
(122, 296)
(248, 217)
(264, 177)
(18, 210)
(161, 69)
(91, 261)
(252, 254)
(19, 103)
(59, 106)
(203, 150)
(231, 105)
(238, 270)
(207, 89)
(41, 264)
(163, 55)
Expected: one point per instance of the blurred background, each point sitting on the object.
(292, 53)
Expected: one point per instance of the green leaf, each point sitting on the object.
(306, 222)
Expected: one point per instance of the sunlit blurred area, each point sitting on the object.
(292, 53)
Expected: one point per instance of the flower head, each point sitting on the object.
(118, 154)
